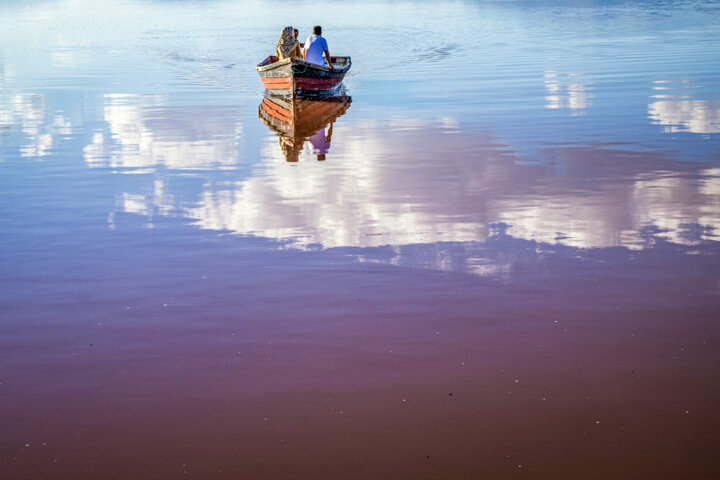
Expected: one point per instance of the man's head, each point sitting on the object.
(295, 33)
(317, 30)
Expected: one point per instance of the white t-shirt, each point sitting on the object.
(314, 47)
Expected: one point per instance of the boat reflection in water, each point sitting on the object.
(298, 119)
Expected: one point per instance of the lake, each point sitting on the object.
(495, 255)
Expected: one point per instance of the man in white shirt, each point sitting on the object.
(315, 47)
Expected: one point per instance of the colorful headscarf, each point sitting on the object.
(286, 44)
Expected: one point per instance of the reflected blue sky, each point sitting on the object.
(579, 126)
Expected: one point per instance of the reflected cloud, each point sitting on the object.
(26, 113)
(156, 202)
(694, 203)
(144, 132)
(694, 116)
(421, 193)
(362, 203)
(494, 258)
(667, 203)
(6, 120)
(373, 201)
(566, 91)
(6, 115)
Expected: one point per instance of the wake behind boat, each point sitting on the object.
(295, 76)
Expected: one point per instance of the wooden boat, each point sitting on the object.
(295, 120)
(295, 76)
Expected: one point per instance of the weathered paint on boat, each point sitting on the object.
(295, 76)
(302, 117)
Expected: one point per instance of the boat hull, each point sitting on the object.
(294, 76)
(302, 117)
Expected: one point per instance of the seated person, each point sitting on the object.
(287, 46)
(295, 34)
(315, 47)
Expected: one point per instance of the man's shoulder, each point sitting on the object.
(316, 39)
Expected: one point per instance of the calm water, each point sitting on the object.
(506, 264)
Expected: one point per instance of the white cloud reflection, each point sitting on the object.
(567, 91)
(149, 204)
(694, 116)
(368, 200)
(26, 113)
(404, 182)
(144, 132)
(678, 205)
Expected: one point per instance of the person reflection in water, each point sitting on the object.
(321, 142)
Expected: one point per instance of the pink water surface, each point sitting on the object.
(508, 272)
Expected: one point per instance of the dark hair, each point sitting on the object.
(317, 30)
(295, 30)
